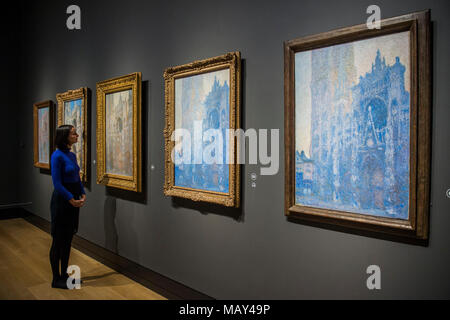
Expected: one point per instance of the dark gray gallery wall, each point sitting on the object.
(10, 35)
(259, 255)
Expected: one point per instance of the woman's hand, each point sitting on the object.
(83, 199)
(76, 203)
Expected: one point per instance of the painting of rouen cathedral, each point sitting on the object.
(352, 126)
(203, 100)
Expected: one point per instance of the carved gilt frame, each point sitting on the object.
(71, 95)
(127, 82)
(231, 61)
(415, 229)
(45, 104)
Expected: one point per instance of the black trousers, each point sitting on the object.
(65, 219)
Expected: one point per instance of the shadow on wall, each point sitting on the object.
(122, 221)
(87, 184)
(206, 208)
(45, 171)
(111, 237)
(360, 232)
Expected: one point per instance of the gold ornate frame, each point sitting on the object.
(133, 82)
(415, 229)
(45, 104)
(231, 61)
(71, 95)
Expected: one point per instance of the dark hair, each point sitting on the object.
(62, 136)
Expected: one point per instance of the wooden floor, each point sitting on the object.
(25, 271)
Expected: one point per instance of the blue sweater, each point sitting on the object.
(65, 169)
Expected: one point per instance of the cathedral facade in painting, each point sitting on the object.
(356, 158)
(204, 102)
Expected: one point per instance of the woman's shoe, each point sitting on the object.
(59, 284)
(54, 282)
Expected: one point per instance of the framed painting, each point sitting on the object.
(43, 133)
(72, 109)
(119, 137)
(202, 113)
(357, 127)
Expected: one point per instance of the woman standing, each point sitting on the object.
(68, 196)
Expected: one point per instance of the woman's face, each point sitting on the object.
(73, 136)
